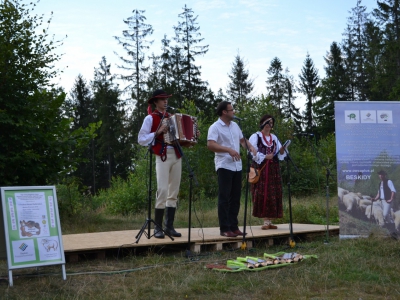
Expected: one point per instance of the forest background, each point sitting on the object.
(85, 142)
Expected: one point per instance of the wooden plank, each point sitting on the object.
(101, 241)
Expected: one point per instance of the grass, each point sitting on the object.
(365, 268)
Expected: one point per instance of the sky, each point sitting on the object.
(257, 30)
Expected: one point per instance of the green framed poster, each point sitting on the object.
(32, 227)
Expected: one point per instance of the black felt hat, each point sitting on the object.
(158, 94)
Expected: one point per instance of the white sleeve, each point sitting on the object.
(278, 147)
(391, 186)
(145, 136)
(259, 158)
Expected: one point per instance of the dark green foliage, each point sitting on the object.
(35, 140)
(187, 37)
(113, 151)
(309, 81)
(129, 195)
(135, 44)
(240, 86)
(332, 88)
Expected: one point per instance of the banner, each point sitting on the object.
(32, 228)
(368, 159)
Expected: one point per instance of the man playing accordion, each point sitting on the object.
(168, 163)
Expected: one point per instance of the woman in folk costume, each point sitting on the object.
(168, 163)
(267, 192)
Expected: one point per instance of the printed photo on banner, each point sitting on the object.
(368, 167)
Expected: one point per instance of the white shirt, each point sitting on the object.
(226, 136)
(260, 156)
(391, 187)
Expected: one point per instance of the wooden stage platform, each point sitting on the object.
(200, 239)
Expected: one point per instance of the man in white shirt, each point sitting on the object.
(224, 138)
(386, 193)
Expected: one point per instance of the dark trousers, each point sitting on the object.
(229, 190)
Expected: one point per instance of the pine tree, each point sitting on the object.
(240, 86)
(354, 48)
(374, 69)
(276, 84)
(113, 150)
(333, 88)
(80, 107)
(289, 110)
(135, 44)
(187, 36)
(388, 18)
(308, 84)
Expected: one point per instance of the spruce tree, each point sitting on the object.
(240, 86)
(113, 152)
(354, 48)
(187, 37)
(276, 84)
(308, 84)
(388, 17)
(333, 88)
(80, 107)
(134, 42)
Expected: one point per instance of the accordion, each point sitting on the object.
(181, 128)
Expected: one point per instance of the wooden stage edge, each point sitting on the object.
(200, 239)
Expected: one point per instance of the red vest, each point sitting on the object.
(160, 147)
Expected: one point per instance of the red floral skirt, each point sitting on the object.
(267, 192)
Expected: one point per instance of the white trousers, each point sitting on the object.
(168, 179)
(386, 211)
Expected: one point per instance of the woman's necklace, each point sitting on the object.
(269, 143)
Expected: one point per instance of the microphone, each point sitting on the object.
(170, 107)
(305, 133)
(236, 118)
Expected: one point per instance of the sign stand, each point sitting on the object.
(32, 228)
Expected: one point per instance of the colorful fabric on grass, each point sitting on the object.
(255, 264)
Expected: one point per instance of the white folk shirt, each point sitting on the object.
(259, 158)
(227, 136)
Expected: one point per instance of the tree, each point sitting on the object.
(374, 68)
(113, 151)
(35, 140)
(308, 84)
(290, 111)
(187, 37)
(354, 48)
(332, 88)
(80, 107)
(276, 83)
(134, 42)
(240, 85)
(388, 17)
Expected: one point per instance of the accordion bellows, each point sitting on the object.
(181, 128)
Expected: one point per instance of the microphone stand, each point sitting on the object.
(191, 177)
(328, 172)
(292, 243)
(249, 158)
(149, 220)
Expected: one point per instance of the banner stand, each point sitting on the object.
(32, 228)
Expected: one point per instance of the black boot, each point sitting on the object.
(169, 222)
(158, 218)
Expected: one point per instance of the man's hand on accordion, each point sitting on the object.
(163, 129)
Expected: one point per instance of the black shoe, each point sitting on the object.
(169, 222)
(158, 218)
